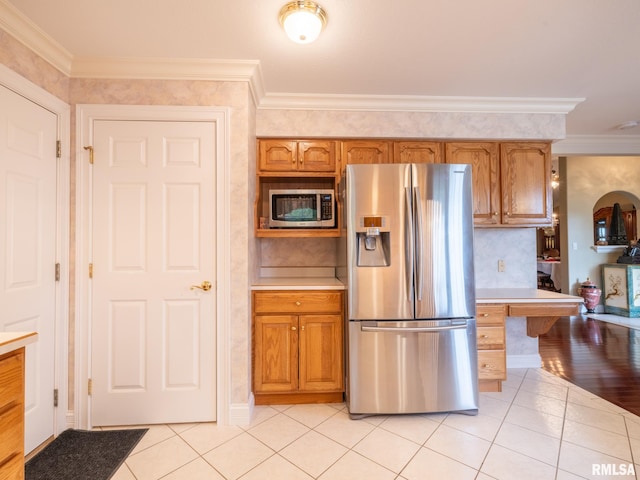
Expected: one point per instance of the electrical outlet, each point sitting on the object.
(501, 265)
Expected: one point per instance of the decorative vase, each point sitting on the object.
(591, 294)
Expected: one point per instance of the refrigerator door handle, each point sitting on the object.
(409, 241)
(365, 328)
(419, 244)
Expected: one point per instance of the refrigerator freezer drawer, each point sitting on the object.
(411, 371)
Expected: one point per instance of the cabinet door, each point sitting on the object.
(275, 353)
(418, 152)
(277, 155)
(365, 152)
(321, 353)
(526, 183)
(317, 156)
(485, 161)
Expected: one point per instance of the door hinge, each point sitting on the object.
(91, 270)
(90, 387)
(57, 272)
(58, 149)
(90, 148)
(55, 397)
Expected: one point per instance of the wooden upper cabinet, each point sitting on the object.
(526, 183)
(418, 152)
(365, 152)
(308, 156)
(485, 162)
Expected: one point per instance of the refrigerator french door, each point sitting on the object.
(411, 333)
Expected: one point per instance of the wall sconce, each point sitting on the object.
(303, 20)
(555, 181)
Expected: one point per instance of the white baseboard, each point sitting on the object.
(70, 421)
(240, 413)
(533, 360)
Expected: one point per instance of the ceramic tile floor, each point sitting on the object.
(539, 427)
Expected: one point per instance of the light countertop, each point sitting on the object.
(10, 341)
(523, 295)
(297, 283)
(483, 295)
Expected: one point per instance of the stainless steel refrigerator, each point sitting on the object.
(407, 251)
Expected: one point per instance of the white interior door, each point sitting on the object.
(153, 215)
(28, 170)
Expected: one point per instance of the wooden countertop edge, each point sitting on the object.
(10, 341)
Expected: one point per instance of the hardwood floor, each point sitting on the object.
(600, 357)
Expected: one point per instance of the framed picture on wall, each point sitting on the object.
(621, 289)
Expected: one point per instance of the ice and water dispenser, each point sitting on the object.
(373, 241)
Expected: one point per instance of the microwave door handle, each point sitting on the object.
(409, 244)
(419, 244)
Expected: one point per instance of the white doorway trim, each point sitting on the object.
(85, 116)
(24, 87)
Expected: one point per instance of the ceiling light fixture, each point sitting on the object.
(303, 20)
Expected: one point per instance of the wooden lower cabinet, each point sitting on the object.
(12, 415)
(297, 351)
(492, 356)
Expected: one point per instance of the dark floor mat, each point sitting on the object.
(83, 455)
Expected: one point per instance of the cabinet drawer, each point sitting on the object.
(492, 365)
(11, 366)
(490, 338)
(298, 302)
(490, 314)
(11, 433)
(13, 469)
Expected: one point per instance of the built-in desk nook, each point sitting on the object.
(540, 309)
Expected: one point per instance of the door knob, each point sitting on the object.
(206, 286)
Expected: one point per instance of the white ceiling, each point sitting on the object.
(492, 48)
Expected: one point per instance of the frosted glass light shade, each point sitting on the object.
(302, 21)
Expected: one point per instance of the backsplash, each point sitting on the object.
(515, 246)
(298, 252)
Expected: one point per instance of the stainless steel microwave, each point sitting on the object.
(302, 208)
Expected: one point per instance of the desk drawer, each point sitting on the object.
(297, 302)
(492, 365)
(490, 338)
(490, 314)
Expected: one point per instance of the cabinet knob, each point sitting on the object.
(302, 328)
(485, 336)
(507, 214)
(486, 365)
(495, 214)
(298, 303)
(293, 328)
(485, 314)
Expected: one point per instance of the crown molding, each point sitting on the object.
(16, 24)
(412, 103)
(172, 69)
(606, 145)
(26, 32)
